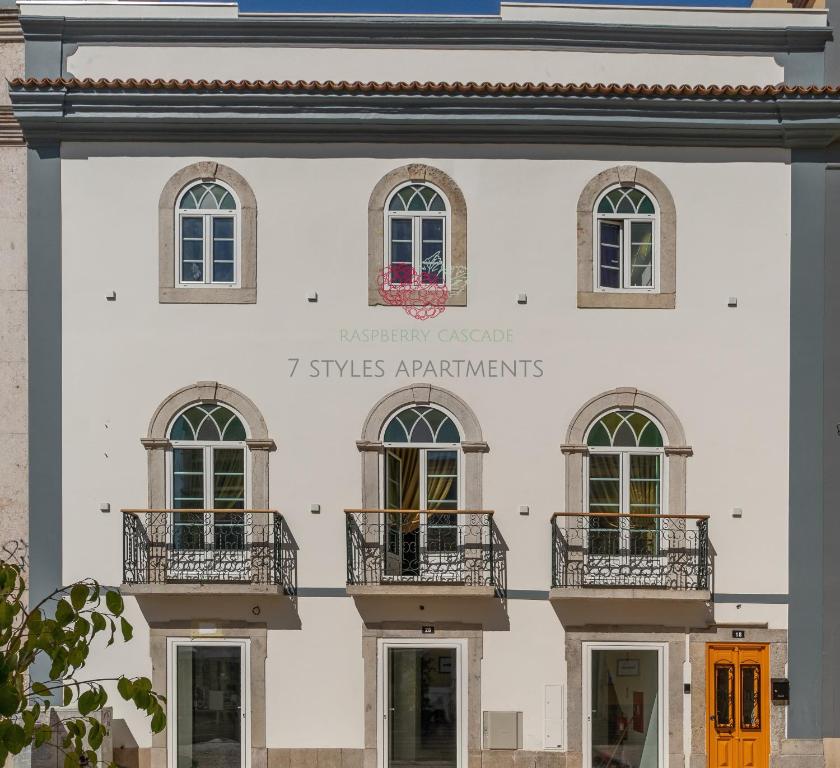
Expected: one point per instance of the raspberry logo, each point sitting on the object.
(419, 294)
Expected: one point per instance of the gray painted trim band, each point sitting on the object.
(748, 597)
(45, 400)
(434, 32)
(165, 115)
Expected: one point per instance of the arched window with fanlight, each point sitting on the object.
(208, 235)
(626, 253)
(207, 473)
(422, 485)
(625, 478)
(416, 235)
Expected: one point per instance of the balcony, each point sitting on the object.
(639, 557)
(424, 553)
(207, 551)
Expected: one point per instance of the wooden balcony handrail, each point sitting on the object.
(627, 514)
(418, 511)
(203, 511)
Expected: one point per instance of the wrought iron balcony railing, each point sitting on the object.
(409, 546)
(606, 550)
(208, 546)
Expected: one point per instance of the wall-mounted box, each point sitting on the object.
(502, 730)
(555, 717)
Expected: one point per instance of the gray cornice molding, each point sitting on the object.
(383, 32)
(173, 115)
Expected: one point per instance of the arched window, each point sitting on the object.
(422, 471)
(208, 235)
(208, 472)
(627, 231)
(417, 233)
(625, 477)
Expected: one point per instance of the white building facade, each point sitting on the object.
(428, 422)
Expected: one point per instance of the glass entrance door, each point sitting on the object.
(422, 707)
(625, 707)
(209, 705)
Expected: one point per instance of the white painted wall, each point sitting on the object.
(724, 371)
(394, 64)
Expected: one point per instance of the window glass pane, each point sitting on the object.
(401, 229)
(724, 695)
(192, 226)
(604, 496)
(234, 430)
(624, 436)
(223, 227)
(402, 251)
(209, 430)
(223, 272)
(751, 697)
(188, 478)
(448, 433)
(228, 478)
(598, 435)
(417, 201)
(442, 493)
(646, 206)
(432, 249)
(192, 249)
(188, 530)
(610, 254)
(181, 430)
(422, 433)
(645, 498)
(609, 201)
(626, 706)
(229, 534)
(641, 253)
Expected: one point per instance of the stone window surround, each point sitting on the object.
(473, 445)
(168, 290)
(372, 633)
(575, 448)
(256, 633)
(417, 172)
(627, 176)
(157, 442)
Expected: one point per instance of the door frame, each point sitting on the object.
(172, 643)
(461, 658)
(424, 557)
(586, 692)
(765, 691)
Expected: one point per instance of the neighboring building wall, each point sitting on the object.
(14, 448)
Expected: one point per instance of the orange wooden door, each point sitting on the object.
(737, 704)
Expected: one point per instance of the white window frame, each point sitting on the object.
(172, 644)
(207, 215)
(624, 454)
(208, 447)
(586, 693)
(461, 660)
(416, 233)
(625, 220)
(423, 480)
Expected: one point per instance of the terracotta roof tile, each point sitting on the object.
(430, 88)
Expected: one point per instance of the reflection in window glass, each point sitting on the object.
(625, 247)
(724, 695)
(750, 697)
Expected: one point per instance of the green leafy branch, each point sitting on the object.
(61, 628)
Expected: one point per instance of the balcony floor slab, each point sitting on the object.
(182, 588)
(419, 590)
(629, 593)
